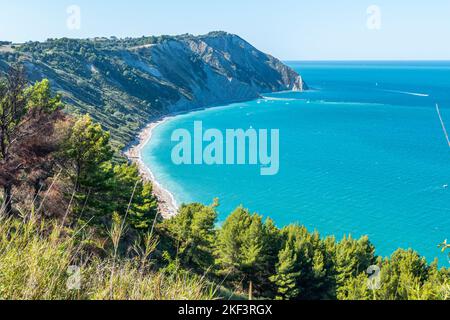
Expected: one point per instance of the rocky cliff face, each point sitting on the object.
(218, 68)
(124, 82)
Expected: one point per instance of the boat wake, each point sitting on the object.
(443, 125)
(409, 93)
(280, 99)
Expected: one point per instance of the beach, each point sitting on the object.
(166, 201)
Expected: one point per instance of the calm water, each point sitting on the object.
(362, 153)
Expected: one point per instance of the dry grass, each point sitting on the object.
(37, 263)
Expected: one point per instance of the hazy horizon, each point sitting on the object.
(290, 30)
(284, 60)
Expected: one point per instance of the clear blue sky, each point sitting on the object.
(288, 29)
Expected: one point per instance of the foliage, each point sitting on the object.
(87, 151)
(87, 157)
(404, 276)
(351, 258)
(305, 265)
(131, 195)
(101, 77)
(28, 117)
(309, 267)
(193, 231)
(244, 249)
(42, 147)
(40, 262)
(101, 187)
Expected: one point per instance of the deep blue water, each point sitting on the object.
(362, 153)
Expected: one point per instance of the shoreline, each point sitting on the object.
(167, 204)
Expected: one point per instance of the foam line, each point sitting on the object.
(443, 124)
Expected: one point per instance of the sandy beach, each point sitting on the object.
(167, 204)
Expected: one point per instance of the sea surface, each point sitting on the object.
(362, 153)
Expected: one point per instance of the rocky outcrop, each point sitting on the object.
(218, 68)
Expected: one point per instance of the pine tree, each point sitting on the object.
(273, 242)
(287, 272)
(311, 275)
(253, 245)
(254, 254)
(230, 242)
(193, 231)
(242, 250)
(355, 288)
(403, 275)
(132, 196)
(352, 258)
(87, 155)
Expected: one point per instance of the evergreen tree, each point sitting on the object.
(312, 269)
(287, 272)
(193, 231)
(254, 254)
(242, 250)
(352, 258)
(404, 276)
(230, 240)
(401, 275)
(132, 196)
(355, 288)
(273, 242)
(87, 155)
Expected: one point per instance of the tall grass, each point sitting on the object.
(41, 260)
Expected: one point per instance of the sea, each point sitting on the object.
(362, 152)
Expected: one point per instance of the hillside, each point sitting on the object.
(122, 83)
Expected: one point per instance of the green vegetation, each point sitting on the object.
(95, 78)
(124, 83)
(68, 205)
(308, 266)
(110, 79)
(40, 261)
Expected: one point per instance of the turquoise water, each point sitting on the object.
(362, 153)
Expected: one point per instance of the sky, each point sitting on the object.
(287, 29)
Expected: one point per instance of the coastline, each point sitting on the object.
(167, 204)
